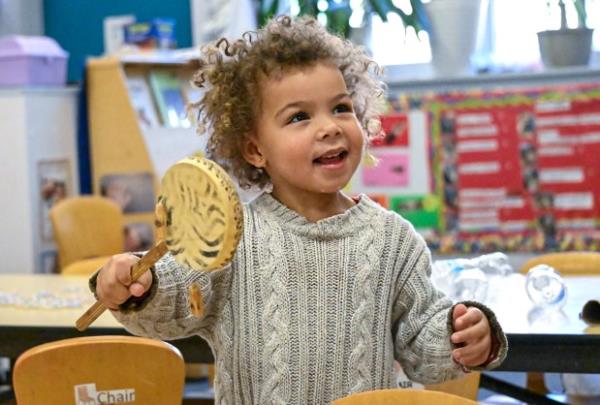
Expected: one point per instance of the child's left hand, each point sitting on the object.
(472, 333)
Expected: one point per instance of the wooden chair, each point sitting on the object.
(87, 227)
(84, 267)
(466, 386)
(567, 264)
(100, 369)
(403, 396)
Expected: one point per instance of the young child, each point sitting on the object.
(325, 292)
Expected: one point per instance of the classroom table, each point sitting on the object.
(551, 341)
(47, 320)
(559, 342)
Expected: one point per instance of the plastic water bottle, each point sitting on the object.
(494, 264)
(469, 279)
(545, 287)
(460, 279)
(468, 284)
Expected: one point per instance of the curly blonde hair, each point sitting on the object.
(231, 73)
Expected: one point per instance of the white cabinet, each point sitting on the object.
(38, 166)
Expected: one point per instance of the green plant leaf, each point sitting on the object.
(416, 19)
(338, 18)
(267, 9)
(581, 13)
(308, 7)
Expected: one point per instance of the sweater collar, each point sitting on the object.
(337, 226)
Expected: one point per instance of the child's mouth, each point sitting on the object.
(331, 159)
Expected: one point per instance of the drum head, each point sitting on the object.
(202, 214)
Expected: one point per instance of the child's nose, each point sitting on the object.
(329, 128)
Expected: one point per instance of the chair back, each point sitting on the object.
(100, 370)
(403, 396)
(87, 227)
(567, 263)
(466, 386)
(84, 267)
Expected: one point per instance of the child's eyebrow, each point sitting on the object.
(300, 103)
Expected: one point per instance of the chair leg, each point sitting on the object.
(535, 383)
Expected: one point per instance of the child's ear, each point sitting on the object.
(251, 151)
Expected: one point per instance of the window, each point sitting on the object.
(508, 39)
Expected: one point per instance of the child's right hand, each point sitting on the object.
(114, 286)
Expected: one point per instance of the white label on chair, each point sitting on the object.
(86, 394)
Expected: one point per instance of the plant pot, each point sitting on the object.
(453, 35)
(568, 47)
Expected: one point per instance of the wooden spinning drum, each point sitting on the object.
(198, 219)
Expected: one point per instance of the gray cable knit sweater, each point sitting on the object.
(310, 312)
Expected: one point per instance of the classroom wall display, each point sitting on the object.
(139, 236)
(518, 170)
(55, 184)
(392, 170)
(401, 179)
(478, 171)
(133, 192)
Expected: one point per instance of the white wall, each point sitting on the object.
(37, 127)
(23, 17)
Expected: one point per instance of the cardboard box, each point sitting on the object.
(31, 61)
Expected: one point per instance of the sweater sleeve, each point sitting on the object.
(420, 327)
(166, 313)
(422, 324)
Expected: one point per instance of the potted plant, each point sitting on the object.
(338, 12)
(567, 46)
(451, 25)
(453, 35)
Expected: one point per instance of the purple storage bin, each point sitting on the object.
(31, 61)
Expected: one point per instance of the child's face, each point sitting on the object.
(308, 138)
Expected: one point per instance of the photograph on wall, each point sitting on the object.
(54, 179)
(133, 192)
(420, 210)
(139, 236)
(395, 130)
(392, 170)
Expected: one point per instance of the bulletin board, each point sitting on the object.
(518, 171)
(479, 171)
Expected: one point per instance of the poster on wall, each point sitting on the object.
(55, 184)
(139, 236)
(519, 171)
(133, 192)
(400, 179)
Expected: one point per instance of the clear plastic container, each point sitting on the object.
(460, 279)
(545, 287)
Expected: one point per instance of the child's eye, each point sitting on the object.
(343, 108)
(299, 116)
